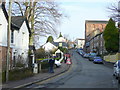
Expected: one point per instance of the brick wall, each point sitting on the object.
(3, 57)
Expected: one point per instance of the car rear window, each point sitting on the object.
(93, 54)
(97, 57)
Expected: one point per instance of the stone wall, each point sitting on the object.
(112, 58)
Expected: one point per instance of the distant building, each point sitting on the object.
(61, 42)
(60, 39)
(49, 47)
(97, 44)
(94, 35)
(79, 43)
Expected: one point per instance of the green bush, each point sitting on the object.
(3, 76)
(40, 53)
(44, 65)
(17, 74)
(64, 50)
(20, 64)
(20, 74)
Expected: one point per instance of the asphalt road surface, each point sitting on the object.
(82, 74)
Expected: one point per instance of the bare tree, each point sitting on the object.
(115, 11)
(42, 15)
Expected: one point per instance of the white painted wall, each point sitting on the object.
(60, 39)
(49, 47)
(21, 37)
(21, 40)
(80, 43)
(3, 29)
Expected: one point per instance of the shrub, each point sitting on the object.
(20, 64)
(3, 76)
(40, 53)
(17, 74)
(64, 50)
(44, 65)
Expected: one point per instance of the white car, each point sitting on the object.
(116, 72)
(57, 63)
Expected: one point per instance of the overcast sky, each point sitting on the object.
(80, 10)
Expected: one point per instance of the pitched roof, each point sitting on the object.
(6, 15)
(60, 39)
(49, 46)
(16, 21)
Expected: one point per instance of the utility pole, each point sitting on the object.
(8, 41)
(119, 23)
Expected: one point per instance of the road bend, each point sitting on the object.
(82, 74)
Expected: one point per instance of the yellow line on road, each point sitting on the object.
(55, 76)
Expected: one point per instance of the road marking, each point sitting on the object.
(55, 76)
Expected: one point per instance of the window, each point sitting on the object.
(12, 36)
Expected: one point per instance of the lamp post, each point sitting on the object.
(8, 41)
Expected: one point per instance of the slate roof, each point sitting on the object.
(6, 15)
(16, 21)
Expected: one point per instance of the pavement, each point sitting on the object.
(109, 64)
(36, 78)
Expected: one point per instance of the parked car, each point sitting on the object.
(57, 63)
(91, 56)
(82, 54)
(97, 60)
(116, 71)
(86, 55)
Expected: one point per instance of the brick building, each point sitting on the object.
(94, 36)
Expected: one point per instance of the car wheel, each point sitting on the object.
(113, 74)
(56, 65)
(119, 81)
(116, 77)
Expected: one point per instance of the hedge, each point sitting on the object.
(17, 74)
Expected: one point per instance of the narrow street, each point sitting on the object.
(82, 74)
(57, 43)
